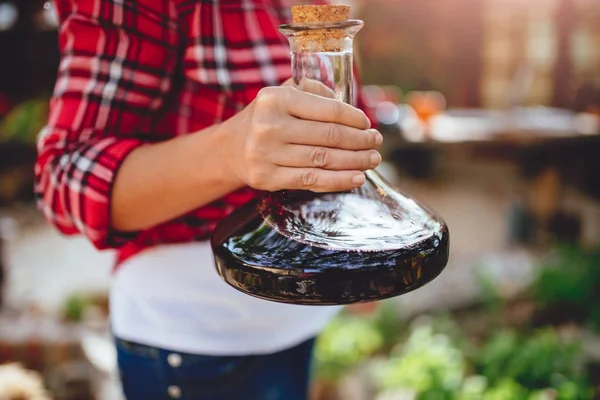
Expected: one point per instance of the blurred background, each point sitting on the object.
(490, 111)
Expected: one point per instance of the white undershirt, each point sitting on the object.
(172, 297)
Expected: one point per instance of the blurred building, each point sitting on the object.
(489, 53)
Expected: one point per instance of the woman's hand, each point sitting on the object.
(291, 139)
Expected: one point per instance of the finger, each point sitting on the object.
(311, 86)
(312, 107)
(300, 156)
(318, 180)
(315, 87)
(331, 135)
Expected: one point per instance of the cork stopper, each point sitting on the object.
(327, 13)
(325, 39)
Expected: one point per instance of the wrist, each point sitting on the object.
(213, 149)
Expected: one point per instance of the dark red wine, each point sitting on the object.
(337, 248)
(302, 248)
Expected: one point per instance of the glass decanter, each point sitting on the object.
(301, 247)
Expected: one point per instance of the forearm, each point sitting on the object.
(159, 182)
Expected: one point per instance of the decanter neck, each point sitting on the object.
(322, 57)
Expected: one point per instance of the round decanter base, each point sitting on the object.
(315, 285)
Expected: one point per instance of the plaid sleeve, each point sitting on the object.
(117, 58)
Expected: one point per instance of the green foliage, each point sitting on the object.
(538, 360)
(434, 359)
(571, 277)
(75, 306)
(388, 323)
(350, 339)
(24, 122)
(429, 363)
(346, 342)
(507, 389)
(490, 293)
(434, 366)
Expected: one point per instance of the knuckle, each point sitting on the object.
(336, 109)
(269, 98)
(260, 130)
(263, 127)
(308, 178)
(334, 134)
(285, 94)
(265, 94)
(319, 157)
(255, 167)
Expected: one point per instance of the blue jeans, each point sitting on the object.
(149, 373)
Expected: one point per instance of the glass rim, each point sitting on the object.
(307, 26)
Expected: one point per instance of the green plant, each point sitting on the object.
(346, 342)
(536, 361)
(570, 277)
(352, 339)
(24, 122)
(429, 364)
(506, 389)
(536, 365)
(492, 299)
(509, 389)
(75, 306)
(386, 320)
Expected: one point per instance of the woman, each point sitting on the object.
(166, 116)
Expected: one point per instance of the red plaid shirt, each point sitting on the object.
(136, 72)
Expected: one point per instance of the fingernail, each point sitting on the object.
(358, 179)
(375, 159)
(378, 139)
